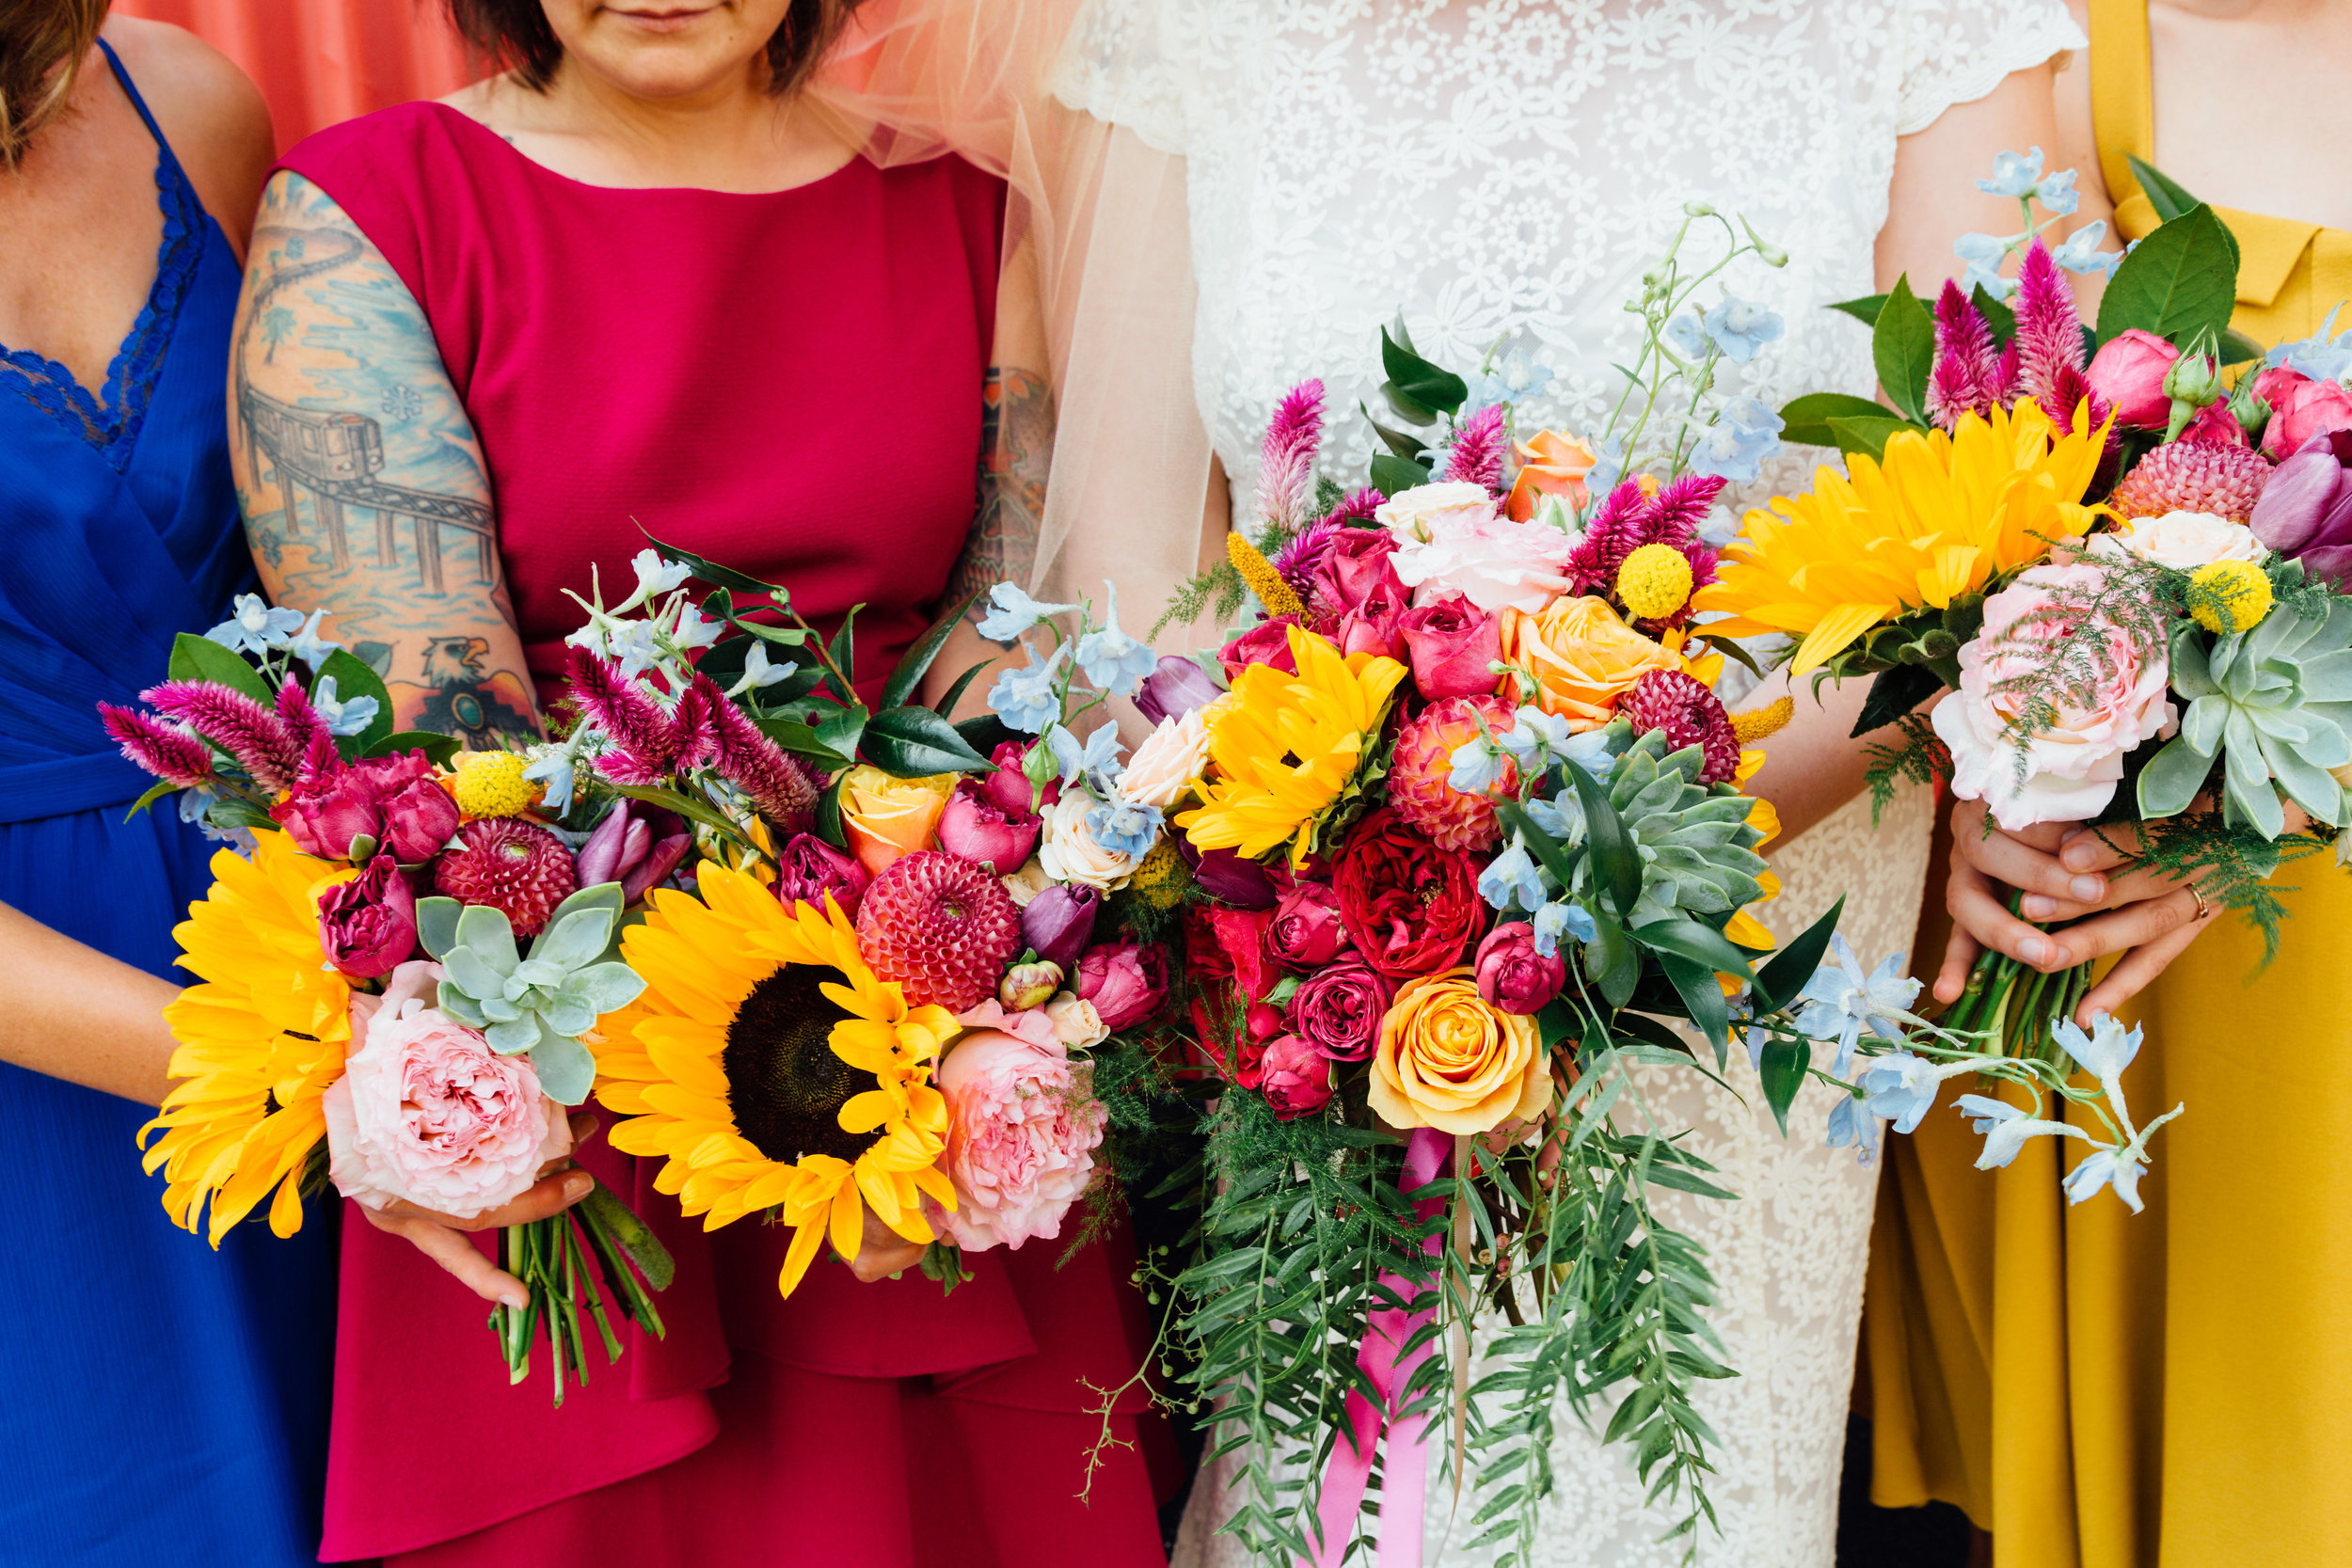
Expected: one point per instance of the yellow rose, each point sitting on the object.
(1583, 657)
(1450, 1060)
(1553, 463)
(884, 817)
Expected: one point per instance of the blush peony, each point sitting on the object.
(1452, 540)
(2068, 770)
(1022, 1133)
(426, 1112)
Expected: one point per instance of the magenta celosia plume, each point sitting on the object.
(2049, 337)
(171, 753)
(1286, 467)
(1969, 375)
(780, 785)
(1478, 450)
(236, 723)
(645, 741)
(1627, 519)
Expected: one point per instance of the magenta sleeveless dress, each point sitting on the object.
(790, 384)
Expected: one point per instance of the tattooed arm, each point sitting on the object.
(362, 486)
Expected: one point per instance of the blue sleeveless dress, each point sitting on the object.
(159, 1403)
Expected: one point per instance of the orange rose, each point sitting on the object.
(1553, 463)
(1582, 658)
(1450, 1060)
(884, 817)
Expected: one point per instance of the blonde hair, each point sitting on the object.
(42, 46)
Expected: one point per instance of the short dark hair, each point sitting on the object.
(515, 33)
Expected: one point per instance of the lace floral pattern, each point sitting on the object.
(1503, 171)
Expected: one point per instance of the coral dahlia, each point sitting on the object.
(518, 869)
(939, 925)
(1691, 715)
(1424, 756)
(2194, 476)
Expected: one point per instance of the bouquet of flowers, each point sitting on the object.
(1469, 847)
(2125, 573)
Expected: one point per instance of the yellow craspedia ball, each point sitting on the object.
(1653, 582)
(2233, 596)
(491, 784)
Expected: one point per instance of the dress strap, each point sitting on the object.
(2123, 104)
(130, 90)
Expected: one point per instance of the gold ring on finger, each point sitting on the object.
(2202, 907)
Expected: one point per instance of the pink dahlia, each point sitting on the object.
(1424, 756)
(939, 925)
(2194, 476)
(1691, 715)
(518, 869)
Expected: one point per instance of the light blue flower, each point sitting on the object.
(343, 716)
(1094, 757)
(1124, 827)
(554, 767)
(1740, 327)
(1112, 660)
(307, 645)
(1011, 613)
(1517, 379)
(1608, 466)
(1745, 434)
(1984, 250)
(1561, 918)
(1851, 1123)
(1533, 731)
(1561, 819)
(254, 627)
(1979, 275)
(2057, 192)
(2081, 253)
(760, 672)
(1840, 1001)
(2107, 1168)
(1901, 1086)
(2005, 1129)
(2320, 356)
(2014, 174)
(1476, 766)
(1512, 878)
(1687, 336)
(1026, 698)
(2103, 1053)
(630, 644)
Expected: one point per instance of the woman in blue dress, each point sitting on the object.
(158, 1403)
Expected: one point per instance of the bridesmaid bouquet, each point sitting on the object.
(1469, 845)
(367, 1012)
(2129, 575)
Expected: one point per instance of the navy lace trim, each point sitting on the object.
(112, 426)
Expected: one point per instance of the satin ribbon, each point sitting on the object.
(1386, 1331)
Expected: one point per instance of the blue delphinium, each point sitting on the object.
(1027, 698)
(1840, 1000)
(307, 645)
(1744, 434)
(1511, 878)
(1124, 827)
(1114, 661)
(2014, 174)
(1095, 758)
(254, 627)
(1740, 327)
(1851, 1123)
(343, 715)
(2080, 250)
(1011, 613)
(1561, 918)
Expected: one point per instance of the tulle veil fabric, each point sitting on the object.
(1097, 294)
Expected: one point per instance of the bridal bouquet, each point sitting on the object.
(2127, 575)
(1469, 846)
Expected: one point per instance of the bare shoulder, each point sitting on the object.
(210, 112)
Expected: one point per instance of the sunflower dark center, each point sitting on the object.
(786, 1086)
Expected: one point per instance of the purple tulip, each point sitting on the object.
(1229, 878)
(979, 825)
(2292, 506)
(2329, 563)
(808, 868)
(368, 925)
(1174, 688)
(636, 846)
(1059, 921)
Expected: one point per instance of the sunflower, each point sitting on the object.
(1283, 748)
(261, 1038)
(771, 1069)
(1938, 517)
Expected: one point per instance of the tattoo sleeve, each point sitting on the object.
(1016, 459)
(362, 486)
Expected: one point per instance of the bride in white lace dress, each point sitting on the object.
(1510, 166)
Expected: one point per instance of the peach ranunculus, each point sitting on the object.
(1583, 657)
(1450, 1060)
(884, 817)
(1553, 463)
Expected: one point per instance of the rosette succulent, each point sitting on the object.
(2273, 703)
(1698, 853)
(538, 1002)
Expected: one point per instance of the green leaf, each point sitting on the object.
(718, 605)
(917, 661)
(1418, 379)
(710, 571)
(438, 749)
(1894, 691)
(1393, 476)
(2180, 280)
(1613, 855)
(1695, 984)
(985, 731)
(946, 706)
(669, 799)
(1782, 1067)
(355, 679)
(575, 938)
(2168, 196)
(1556, 1021)
(1779, 981)
(792, 637)
(840, 730)
(1700, 943)
(1614, 962)
(436, 925)
(1403, 443)
(1539, 842)
(198, 658)
(1805, 420)
(1649, 1031)
(1902, 345)
(1865, 310)
(155, 792)
(914, 744)
(2237, 348)
(842, 651)
(601, 1210)
(829, 816)
(1867, 437)
(1999, 317)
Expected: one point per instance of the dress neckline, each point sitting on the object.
(511, 150)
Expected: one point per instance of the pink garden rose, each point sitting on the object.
(2071, 767)
(2300, 409)
(2128, 370)
(1306, 932)
(1337, 1008)
(1022, 1131)
(1513, 978)
(368, 925)
(426, 1112)
(809, 870)
(1267, 643)
(1451, 644)
(1460, 544)
(1125, 980)
(1293, 1076)
(980, 826)
(1354, 568)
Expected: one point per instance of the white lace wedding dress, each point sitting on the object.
(1511, 167)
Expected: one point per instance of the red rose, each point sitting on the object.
(1450, 643)
(1228, 970)
(368, 925)
(1306, 931)
(1512, 975)
(1267, 643)
(1337, 1008)
(1353, 570)
(1293, 1076)
(1410, 908)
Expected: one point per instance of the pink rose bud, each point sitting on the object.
(1350, 571)
(2300, 409)
(2129, 370)
(419, 821)
(368, 925)
(1451, 643)
(1057, 924)
(636, 846)
(1175, 686)
(1338, 1008)
(978, 825)
(2215, 424)
(1294, 1077)
(1264, 1020)
(1125, 981)
(809, 868)
(325, 818)
(1026, 985)
(1267, 643)
(1307, 933)
(1370, 627)
(1512, 975)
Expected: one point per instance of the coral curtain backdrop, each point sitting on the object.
(320, 62)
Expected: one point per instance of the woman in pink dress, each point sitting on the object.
(636, 283)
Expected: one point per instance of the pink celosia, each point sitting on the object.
(236, 723)
(2049, 337)
(782, 786)
(645, 741)
(301, 719)
(1628, 519)
(1286, 466)
(170, 752)
(1357, 507)
(1298, 559)
(1967, 375)
(1478, 450)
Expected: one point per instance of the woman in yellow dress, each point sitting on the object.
(2168, 1389)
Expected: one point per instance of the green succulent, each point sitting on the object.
(2272, 704)
(541, 1003)
(1697, 851)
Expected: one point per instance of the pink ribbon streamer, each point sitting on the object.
(1349, 1473)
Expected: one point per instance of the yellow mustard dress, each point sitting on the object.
(2171, 1389)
